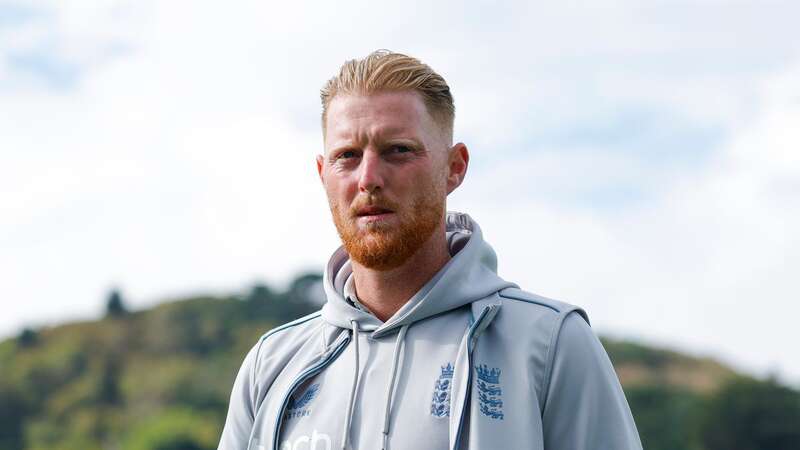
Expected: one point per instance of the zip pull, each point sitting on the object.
(485, 318)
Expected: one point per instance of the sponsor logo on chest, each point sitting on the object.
(299, 406)
(317, 441)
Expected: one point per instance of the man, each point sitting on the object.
(420, 344)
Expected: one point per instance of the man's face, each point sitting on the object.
(385, 171)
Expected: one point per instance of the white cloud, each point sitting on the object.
(181, 157)
(709, 263)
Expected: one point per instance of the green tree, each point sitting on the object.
(750, 414)
(666, 417)
(12, 418)
(175, 429)
(27, 338)
(301, 289)
(263, 303)
(108, 390)
(115, 307)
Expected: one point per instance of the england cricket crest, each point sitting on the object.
(440, 403)
(490, 395)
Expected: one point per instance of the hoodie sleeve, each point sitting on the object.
(585, 407)
(241, 409)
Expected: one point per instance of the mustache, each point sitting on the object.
(372, 200)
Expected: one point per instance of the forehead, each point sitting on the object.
(380, 115)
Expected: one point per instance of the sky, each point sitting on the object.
(639, 159)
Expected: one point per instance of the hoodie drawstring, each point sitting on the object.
(350, 402)
(398, 347)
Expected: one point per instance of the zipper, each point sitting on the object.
(305, 375)
(470, 344)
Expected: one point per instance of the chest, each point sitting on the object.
(414, 415)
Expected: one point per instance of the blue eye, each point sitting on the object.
(401, 149)
(346, 154)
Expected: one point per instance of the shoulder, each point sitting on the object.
(534, 321)
(294, 328)
(532, 327)
(287, 339)
(530, 305)
(544, 321)
(293, 331)
(272, 351)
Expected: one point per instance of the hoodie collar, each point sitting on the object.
(349, 293)
(468, 276)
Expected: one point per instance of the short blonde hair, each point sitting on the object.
(383, 70)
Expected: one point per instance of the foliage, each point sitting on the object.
(160, 380)
(175, 429)
(666, 417)
(623, 352)
(752, 415)
(27, 338)
(115, 307)
(157, 379)
(12, 415)
(641, 365)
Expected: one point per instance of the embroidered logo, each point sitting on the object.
(440, 404)
(490, 395)
(297, 406)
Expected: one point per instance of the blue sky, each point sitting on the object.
(639, 159)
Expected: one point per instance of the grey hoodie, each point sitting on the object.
(469, 362)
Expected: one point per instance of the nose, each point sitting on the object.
(371, 177)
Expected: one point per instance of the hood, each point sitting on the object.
(470, 275)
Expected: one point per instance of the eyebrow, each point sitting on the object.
(347, 144)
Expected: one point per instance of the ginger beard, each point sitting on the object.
(386, 246)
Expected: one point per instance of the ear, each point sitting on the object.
(457, 163)
(320, 163)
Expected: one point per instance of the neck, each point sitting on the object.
(385, 292)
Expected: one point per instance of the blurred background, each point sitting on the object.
(160, 208)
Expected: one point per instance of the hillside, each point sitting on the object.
(159, 379)
(640, 365)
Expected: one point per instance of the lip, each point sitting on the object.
(373, 218)
(371, 211)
